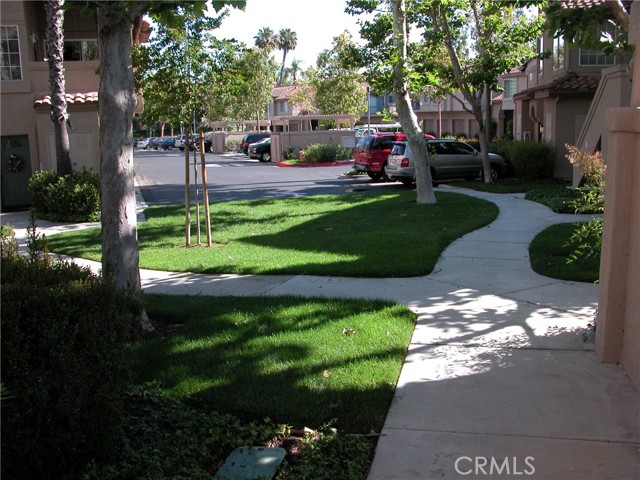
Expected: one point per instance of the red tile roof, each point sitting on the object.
(283, 93)
(591, 3)
(79, 97)
(568, 84)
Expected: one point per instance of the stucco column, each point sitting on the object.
(618, 326)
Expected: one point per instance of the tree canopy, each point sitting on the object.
(177, 70)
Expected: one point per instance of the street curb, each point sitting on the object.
(326, 164)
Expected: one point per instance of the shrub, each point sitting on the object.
(63, 365)
(232, 144)
(323, 153)
(72, 198)
(532, 160)
(589, 199)
(290, 154)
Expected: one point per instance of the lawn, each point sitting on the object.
(550, 251)
(359, 235)
(302, 362)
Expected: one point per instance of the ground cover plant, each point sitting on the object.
(513, 185)
(164, 438)
(347, 235)
(553, 254)
(302, 362)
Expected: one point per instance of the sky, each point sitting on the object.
(315, 22)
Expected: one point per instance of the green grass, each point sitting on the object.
(302, 362)
(347, 235)
(550, 251)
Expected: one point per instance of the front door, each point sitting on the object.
(16, 171)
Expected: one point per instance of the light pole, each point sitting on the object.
(368, 109)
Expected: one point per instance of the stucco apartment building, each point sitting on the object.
(562, 94)
(27, 133)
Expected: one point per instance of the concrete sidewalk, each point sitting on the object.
(497, 382)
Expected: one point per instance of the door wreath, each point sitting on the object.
(15, 163)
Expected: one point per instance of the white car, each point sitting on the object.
(143, 143)
(180, 142)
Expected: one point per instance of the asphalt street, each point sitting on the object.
(161, 178)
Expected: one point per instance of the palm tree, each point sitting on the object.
(55, 53)
(295, 69)
(286, 41)
(265, 39)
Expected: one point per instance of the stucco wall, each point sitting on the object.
(570, 114)
(301, 140)
(618, 328)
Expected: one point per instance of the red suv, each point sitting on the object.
(372, 151)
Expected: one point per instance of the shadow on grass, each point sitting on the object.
(345, 235)
(286, 358)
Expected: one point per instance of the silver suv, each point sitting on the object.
(448, 159)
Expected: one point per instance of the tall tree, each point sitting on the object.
(257, 73)
(266, 39)
(339, 86)
(407, 117)
(286, 41)
(120, 254)
(55, 55)
(483, 40)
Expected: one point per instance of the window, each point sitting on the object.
(608, 34)
(594, 58)
(558, 53)
(464, 149)
(80, 50)
(10, 66)
(510, 87)
(540, 57)
(282, 106)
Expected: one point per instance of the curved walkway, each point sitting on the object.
(497, 381)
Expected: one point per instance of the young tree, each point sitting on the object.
(286, 41)
(177, 69)
(338, 85)
(55, 54)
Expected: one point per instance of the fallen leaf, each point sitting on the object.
(326, 374)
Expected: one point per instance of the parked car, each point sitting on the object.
(261, 150)
(167, 143)
(143, 143)
(154, 142)
(179, 143)
(448, 159)
(251, 138)
(372, 151)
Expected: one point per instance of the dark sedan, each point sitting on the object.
(261, 150)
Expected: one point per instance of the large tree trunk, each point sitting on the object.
(406, 115)
(59, 115)
(484, 135)
(120, 256)
(284, 59)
